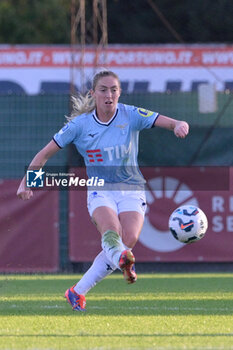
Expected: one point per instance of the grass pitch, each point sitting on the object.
(160, 311)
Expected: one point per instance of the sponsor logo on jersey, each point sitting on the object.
(94, 155)
(111, 152)
(63, 129)
(145, 112)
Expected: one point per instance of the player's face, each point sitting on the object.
(106, 94)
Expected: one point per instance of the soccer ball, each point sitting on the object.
(188, 223)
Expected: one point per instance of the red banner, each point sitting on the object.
(167, 188)
(29, 239)
(117, 56)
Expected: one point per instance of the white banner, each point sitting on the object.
(34, 69)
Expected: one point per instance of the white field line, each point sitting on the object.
(147, 308)
(167, 308)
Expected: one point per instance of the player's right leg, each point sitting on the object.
(100, 269)
(77, 301)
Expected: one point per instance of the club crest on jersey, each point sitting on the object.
(145, 112)
(121, 126)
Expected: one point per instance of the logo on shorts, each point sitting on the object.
(143, 204)
(145, 112)
(35, 178)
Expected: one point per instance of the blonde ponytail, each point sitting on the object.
(81, 104)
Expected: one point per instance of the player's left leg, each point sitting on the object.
(108, 224)
(131, 222)
(131, 207)
(102, 207)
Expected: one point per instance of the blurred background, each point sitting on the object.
(172, 57)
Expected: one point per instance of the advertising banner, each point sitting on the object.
(209, 188)
(29, 240)
(149, 68)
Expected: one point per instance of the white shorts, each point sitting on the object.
(119, 201)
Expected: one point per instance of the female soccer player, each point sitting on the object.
(105, 133)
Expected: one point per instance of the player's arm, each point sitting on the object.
(37, 162)
(179, 127)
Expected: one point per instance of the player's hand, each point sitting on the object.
(181, 129)
(23, 192)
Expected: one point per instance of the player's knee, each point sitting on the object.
(130, 239)
(110, 226)
(106, 219)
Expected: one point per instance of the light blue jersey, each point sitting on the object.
(110, 149)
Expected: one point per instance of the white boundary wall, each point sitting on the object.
(29, 66)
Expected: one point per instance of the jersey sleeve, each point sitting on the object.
(66, 135)
(142, 118)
